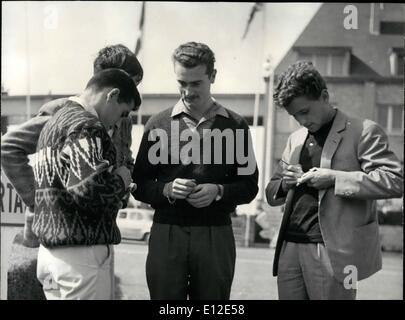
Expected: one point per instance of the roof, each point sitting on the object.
(369, 52)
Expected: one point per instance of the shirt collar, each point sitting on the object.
(217, 110)
(324, 130)
(80, 101)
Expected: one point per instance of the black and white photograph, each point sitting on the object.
(212, 152)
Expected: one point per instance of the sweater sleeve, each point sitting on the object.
(145, 174)
(16, 146)
(245, 186)
(122, 138)
(274, 192)
(88, 176)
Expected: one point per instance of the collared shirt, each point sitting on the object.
(207, 119)
(80, 101)
(303, 224)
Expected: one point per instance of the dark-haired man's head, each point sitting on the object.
(113, 94)
(195, 72)
(302, 91)
(120, 57)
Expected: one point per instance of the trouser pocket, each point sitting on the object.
(101, 255)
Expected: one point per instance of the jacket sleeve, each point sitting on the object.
(145, 173)
(16, 146)
(381, 173)
(274, 193)
(88, 177)
(245, 187)
(122, 138)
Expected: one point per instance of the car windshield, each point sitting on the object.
(135, 216)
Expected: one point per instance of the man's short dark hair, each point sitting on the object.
(300, 79)
(118, 56)
(192, 54)
(116, 78)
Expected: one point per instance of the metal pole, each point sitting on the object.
(264, 159)
(271, 123)
(141, 56)
(256, 109)
(28, 64)
(263, 41)
(247, 231)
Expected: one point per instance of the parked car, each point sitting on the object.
(135, 223)
(390, 211)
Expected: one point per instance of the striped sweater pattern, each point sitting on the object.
(76, 193)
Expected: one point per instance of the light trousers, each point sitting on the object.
(77, 272)
(305, 273)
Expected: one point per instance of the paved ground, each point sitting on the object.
(253, 279)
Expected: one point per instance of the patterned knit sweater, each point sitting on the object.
(19, 143)
(76, 195)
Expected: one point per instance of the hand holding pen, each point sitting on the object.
(290, 175)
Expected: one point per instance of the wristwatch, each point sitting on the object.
(220, 192)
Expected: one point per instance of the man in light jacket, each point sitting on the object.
(331, 171)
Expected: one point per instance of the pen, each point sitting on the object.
(284, 162)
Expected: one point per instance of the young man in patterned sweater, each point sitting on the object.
(18, 144)
(78, 188)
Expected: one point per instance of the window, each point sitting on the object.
(392, 27)
(397, 56)
(391, 118)
(327, 64)
(16, 119)
(329, 61)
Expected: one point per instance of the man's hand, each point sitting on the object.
(203, 195)
(30, 239)
(124, 201)
(318, 178)
(125, 174)
(179, 188)
(291, 174)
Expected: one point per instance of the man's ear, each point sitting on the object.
(325, 96)
(113, 94)
(213, 75)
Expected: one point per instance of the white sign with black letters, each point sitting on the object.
(11, 221)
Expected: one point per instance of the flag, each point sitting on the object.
(256, 7)
(140, 30)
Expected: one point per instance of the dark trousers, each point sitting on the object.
(195, 262)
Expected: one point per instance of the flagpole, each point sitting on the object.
(28, 65)
(256, 110)
(140, 53)
(271, 115)
(266, 78)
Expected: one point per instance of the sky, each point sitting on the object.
(50, 46)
